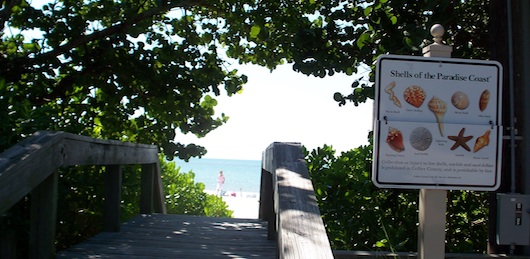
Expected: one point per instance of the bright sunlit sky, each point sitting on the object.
(283, 106)
(286, 106)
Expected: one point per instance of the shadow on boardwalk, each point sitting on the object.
(179, 236)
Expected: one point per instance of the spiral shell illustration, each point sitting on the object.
(438, 107)
(482, 141)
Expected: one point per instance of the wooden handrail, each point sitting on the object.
(289, 204)
(30, 167)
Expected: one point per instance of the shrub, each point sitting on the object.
(359, 216)
(80, 204)
(184, 196)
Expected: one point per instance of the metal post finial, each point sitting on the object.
(437, 31)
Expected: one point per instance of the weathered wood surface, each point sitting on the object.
(25, 165)
(300, 231)
(179, 236)
(31, 165)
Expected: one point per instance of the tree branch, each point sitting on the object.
(127, 23)
(5, 13)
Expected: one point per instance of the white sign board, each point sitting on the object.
(438, 123)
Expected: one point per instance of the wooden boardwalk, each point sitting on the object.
(179, 236)
(287, 203)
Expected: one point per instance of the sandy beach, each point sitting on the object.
(244, 205)
(244, 208)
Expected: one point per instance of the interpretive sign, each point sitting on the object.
(438, 123)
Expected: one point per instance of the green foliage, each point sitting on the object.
(467, 221)
(184, 196)
(80, 204)
(135, 71)
(112, 69)
(350, 35)
(359, 216)
(130, 70)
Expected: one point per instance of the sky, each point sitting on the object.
(286, 106)
(283, 106)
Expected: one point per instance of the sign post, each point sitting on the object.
(432, 202)
(437, 128)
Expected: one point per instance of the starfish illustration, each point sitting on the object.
(460, 140)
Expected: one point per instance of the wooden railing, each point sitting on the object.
(31, 167)
(289, 205)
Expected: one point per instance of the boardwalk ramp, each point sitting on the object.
(179, 236)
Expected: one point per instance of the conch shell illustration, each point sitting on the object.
(484, 99)
(482, 141)
(438, 107)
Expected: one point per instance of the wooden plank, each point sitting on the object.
(301, 227)
(301, 232)
(31, 165)
(112, 205)
(179, 236)
(147, 188)
(159, 205)
(26, 165)
(8, 241)
(43, 218)
(266, 205)
(106, 152)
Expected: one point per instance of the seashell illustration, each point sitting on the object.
(395, 139)
(482, 141)
(438, 107)
(484, 99)
(460, 100)
(420, 138)
(414, 95)
(392, 96)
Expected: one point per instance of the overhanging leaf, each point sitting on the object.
(363, 39)
(254, 31)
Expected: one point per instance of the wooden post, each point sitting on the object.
(43, 218)
(266, 203)
(298, 222)
(147, 188)
(433, 203)
(8, 241)
(159, 197)
(112, 208)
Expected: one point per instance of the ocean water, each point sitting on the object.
(241, 176)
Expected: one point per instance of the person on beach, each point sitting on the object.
(220, 182)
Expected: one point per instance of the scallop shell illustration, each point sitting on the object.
(482, 141)
(414, 95)
(460, 100)
(420, 138)
(438, 107)
(395, 139)
(484, 100)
